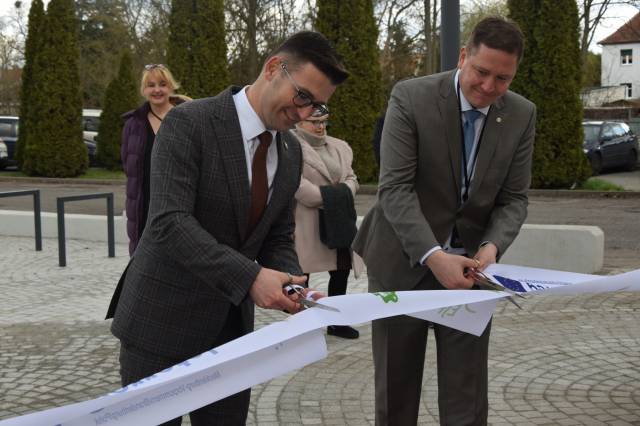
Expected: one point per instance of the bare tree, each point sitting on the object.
(591, 13)
(255, 27)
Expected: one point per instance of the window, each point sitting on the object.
(91, 124)
(618, 130)
(628, 92)
(8, 128)
(625, 129)
(591, 133)
(607, 133)
(626, 56)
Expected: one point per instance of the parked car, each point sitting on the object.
(4, 155)
(90, 123)
(609, 144)
(9, 128)
(91, 150)
(9, 135)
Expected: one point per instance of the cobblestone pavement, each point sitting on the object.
(561, 361)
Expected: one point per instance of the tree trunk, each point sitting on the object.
(428, 44)
(252, 8)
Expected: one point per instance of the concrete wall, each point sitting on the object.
(598, 96)
(562, 247)
(77, 226)
(572, 248)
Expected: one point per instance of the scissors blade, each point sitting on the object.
(312, 304)
(307, 303)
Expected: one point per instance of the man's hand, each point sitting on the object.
(486, 255)
(266, 290)
(449, 269)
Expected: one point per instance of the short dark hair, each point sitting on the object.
(311, 46)
(497, 33)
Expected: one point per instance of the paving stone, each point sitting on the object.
(562, 361)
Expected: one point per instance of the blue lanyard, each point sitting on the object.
(467, 177)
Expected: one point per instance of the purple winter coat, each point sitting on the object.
(132, 152)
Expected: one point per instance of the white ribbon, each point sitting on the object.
(299, 340)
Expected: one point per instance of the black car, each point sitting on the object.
(91, 150)
(3, 154)
(9, 135)
(9, 126)
(610, 144)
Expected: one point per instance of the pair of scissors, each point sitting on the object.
(486, 283)
(307, 303)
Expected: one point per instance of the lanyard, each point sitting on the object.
(468, 166)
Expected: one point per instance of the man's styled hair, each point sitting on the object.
(497, 33)
(311, 46)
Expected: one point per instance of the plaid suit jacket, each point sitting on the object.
(196, 256)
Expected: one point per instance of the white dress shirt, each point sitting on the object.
(251, 127)
(464, 106)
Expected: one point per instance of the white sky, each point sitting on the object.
(616, 16)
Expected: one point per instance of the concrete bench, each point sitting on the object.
(562, 247)
(86, 227)
(571, 248)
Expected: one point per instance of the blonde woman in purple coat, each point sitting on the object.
(158, 87)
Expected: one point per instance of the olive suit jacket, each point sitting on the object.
(197, 257)
(419, 194)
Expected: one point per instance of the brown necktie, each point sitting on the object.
(259, 182)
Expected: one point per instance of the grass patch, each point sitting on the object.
(98, 173)
(595, 184)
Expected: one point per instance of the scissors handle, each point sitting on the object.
(307, 303)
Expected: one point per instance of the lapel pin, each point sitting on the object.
(499, 119)
(286, 146)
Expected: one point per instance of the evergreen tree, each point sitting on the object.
(550, 76)
(55, 147)
(33, 48)
(351, 27)
(120, 97)
(197, 51)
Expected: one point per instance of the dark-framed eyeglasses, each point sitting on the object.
(149, 67)
(319, 123)
(302, 99)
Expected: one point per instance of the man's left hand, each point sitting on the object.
(486, 255)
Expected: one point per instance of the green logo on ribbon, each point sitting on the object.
(387, 296)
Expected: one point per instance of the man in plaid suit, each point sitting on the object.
(203, 262)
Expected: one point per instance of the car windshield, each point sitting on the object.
(6, 129)
(91, 124)
(591, 133)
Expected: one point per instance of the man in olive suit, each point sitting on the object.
(455, 169)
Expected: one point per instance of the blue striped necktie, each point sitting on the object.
(469, 129)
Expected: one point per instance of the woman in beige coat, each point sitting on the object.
(327, 162)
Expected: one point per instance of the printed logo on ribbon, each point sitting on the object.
(387, 296)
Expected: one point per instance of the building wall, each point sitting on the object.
(615, 73)
(595, 97)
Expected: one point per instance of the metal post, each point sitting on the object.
(36, 211)
(450, 34)
(62, 255)
(37, 222)
(110, 227)
(111, 240)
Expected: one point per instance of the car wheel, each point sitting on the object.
(632, 160)
(596, 164)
